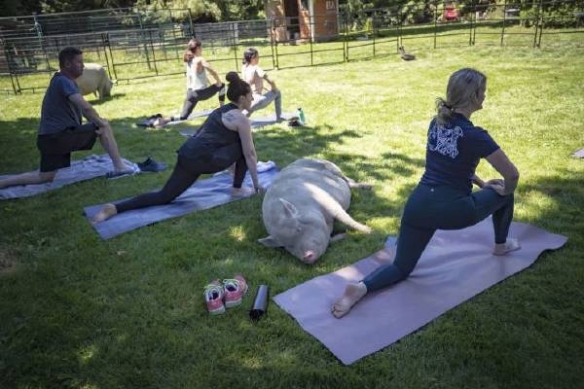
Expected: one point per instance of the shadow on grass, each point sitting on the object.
(282, 145)
(95, 101)
(130, 313)
(299, 143)
(562, 196)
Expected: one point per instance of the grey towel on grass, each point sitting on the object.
(194, 115)
(87, 168)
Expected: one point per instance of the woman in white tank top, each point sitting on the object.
(198, 88)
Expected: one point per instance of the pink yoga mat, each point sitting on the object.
(455, 266)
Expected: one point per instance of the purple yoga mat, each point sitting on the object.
(455, 266)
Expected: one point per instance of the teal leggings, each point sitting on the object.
(432, 208)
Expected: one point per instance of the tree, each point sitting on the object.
(51, 6)
(19, 7)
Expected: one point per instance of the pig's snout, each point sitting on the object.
(309, 257)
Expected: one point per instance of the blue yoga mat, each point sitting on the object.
(203, 194)
(87, 168)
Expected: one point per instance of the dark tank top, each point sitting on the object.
(211, 137)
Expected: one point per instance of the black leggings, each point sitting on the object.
(194, 96)
(185, 173)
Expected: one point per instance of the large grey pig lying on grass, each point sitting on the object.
(94, 80)
(301, 205)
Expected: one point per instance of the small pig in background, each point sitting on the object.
(94, 80)
(301, 205)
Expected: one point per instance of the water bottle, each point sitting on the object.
(301, 117)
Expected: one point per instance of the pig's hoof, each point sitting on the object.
(366, 229)
(363, 185)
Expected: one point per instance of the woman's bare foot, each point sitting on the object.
(105, 213)
(161, 122)
(511, 244)
(353, 293)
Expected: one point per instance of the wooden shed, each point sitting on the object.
(300, 20)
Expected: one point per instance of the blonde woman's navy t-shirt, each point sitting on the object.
(453, 152)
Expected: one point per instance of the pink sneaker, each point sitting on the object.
(214, 293)
(235, 289)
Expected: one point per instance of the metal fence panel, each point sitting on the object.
(134, 45)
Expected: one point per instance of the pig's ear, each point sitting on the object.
(268, 241)
(289, 208)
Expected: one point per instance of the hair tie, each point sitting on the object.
(448, 107)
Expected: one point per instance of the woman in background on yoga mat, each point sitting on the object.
(443, 198)
(254, 75)
(224, 139)
(198, 88)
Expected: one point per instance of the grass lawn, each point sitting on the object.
(79, 312)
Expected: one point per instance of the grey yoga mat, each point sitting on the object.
(87, 168)
(455, 266)
(192, 116)
(203, 194)
(149, 121)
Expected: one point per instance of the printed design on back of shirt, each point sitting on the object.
(444, 140)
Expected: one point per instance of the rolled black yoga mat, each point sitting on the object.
(260, 303)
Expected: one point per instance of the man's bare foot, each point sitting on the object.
(122, 167)
(105, 213)
(511, 244)
(353, 293)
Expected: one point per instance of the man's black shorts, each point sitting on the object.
(56, 148)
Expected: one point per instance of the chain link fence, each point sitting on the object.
(136, 45)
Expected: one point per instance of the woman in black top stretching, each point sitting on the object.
(224, 139)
